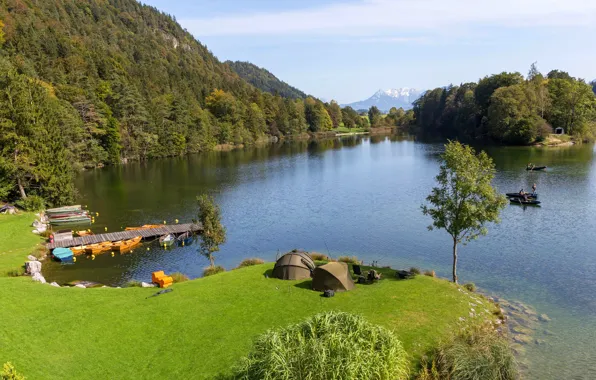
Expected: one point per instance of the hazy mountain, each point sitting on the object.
(264, 80)
(385, 99)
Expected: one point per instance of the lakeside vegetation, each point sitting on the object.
(507, 108)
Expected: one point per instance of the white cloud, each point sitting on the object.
(374, 17)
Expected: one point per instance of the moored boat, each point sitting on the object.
(184, 239)
(62, 254)
(79, 250)
(143, 227)
(167, 240)
(85, 233)
(94, 249)
(521, 201)
(126, 244)
(61, 210)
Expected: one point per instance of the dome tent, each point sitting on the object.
(332, 276)
(294, 265)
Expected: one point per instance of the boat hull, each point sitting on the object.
(519, 201)
(536, 168)
(516, 195)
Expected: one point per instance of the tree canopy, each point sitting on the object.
(464, 200)
(508, 108)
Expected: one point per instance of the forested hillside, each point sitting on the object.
(264, 80)
(508, 108)
(92, 82)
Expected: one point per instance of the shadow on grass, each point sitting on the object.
(268, 273)
(307, 284)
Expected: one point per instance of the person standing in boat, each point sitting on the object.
(534, 188)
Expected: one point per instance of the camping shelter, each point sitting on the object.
(333, 276)
(294, 265)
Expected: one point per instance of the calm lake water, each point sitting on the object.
(361, 196)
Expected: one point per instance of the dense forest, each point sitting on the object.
(93, 82)
(508, 108)
(264, 80)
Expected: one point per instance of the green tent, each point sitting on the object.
(294, 265)
(333, 276)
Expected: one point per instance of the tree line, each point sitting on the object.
(508, 108)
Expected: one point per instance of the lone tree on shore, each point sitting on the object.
(464, 200)
(214, 233)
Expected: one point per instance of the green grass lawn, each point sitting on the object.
(202, 328)
(16, 240)
(343, 129)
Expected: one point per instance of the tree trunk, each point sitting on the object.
(21, 189)
(212, 261)
(455, 261)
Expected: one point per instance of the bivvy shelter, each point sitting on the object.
(333, 276)
(294, 265)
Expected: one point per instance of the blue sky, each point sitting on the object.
(347, 50)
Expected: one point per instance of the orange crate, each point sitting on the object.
(155, 276)
(165, 281)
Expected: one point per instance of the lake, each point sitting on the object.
(361, 196)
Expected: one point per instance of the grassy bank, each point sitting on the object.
(200, 329)
(16, 240)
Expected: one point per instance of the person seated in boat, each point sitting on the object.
(523, 195)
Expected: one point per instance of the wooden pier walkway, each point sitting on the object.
(125, 235)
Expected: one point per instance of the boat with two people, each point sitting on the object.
(524, 202)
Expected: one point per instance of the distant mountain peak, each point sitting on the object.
(386, 99)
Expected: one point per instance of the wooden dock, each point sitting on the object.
(125, 235)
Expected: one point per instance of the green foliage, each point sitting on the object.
(316, 115)
(251, 262)
(470, 286)
(179, 277)
(10, 373)
(505, 108)
(349, 260)
(210, 271)
(31, 203)
(415, 270)
(214, 233)
(264, 80)
(15, 272)
(374, 116)
(464, 201)
(335, 113)
(477, 353)
(331, 345)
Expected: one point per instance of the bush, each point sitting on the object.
(332, 345)
(179, 277)
(133, 284)
(9, 373)
(349, 260)
(31, 203)
(251, 262)
(415, 270)
(15, 272)
(210, 271)
(319, 256)
(430, 273)
(478, 353)
(470, 287)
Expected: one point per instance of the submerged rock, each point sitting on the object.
(544, 318)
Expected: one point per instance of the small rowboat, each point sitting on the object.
(520, 201)
(84, 233)
(516, 195)
(184, 239)
(94, 249)
(143, 227)
(77, 251)
(123, 245)
(61, 210)
(535, 168)
(167, 240)
(62, 254)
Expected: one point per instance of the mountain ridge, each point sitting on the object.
(264, 80)
(384, 100)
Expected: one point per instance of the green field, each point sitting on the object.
(199, 330)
